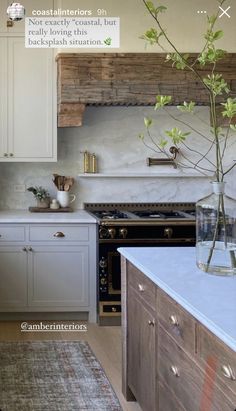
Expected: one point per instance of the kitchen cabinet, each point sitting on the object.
(48, 268)
(189, 367)
(13, 277)
(141, 365)
(18, 27)
(58, 276)
(27, 102)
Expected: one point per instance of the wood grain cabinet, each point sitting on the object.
(171, 362)
(48, 268)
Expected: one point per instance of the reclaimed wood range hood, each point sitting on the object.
(127, 79)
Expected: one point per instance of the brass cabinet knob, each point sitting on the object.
(59, 234)
(5, 155)
(24, 249)
(228, 372)
(174, 370)
(174, 320)
(168, 232)
(114, 309)
(30, 249)
(141, 288)
(151, 322)
(11, 154)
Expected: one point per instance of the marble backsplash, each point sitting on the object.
(112, 134)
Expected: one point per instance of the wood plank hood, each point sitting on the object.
(127, 79)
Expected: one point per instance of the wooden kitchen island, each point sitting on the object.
(179, 332)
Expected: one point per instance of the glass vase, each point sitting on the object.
(216, 232)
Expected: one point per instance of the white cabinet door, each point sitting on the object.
(3, 97)
(13, 278)
(31, 116)
(59, 276)
(18, 27)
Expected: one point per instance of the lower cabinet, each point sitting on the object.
(171, 362)
(141, 365)
(13, 277)
(51, 269)
(58, 276)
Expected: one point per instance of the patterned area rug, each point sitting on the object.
(53, 376)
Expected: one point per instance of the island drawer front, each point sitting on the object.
(142, 285)
(59, 233)
(220, 358)
(12, 233)
(193, 389)
(167, 400)
(178, 323)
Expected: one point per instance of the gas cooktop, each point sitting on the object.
(142, 211)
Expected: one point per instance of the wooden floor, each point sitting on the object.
(104, 341)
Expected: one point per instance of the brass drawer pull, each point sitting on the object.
(228, 372)
(174, 370)
(59, 234)
(141, 288)
(151, 322)
(174, 320)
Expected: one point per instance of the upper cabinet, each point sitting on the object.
(28, 109)
(18, 27)
(27, 102)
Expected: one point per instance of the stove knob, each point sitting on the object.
(112, 232)
(103, 232)
(168, 232)
(123, 232)
(103, 263)
(103, 281)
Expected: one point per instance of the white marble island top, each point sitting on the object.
(24, 216)
(210, 299)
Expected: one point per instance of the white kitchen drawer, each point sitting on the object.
(12, 233)
(59, 233)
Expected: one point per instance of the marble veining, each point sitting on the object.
(210, 299)
(111, 133)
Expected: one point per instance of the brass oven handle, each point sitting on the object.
(168, 232)
(174, 370)
(174, 320)
(141, 288)
(59, 234)
(228, 372)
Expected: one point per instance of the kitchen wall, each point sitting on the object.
(112, 133)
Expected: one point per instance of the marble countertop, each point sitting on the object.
(210, 299)
(24, 216)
